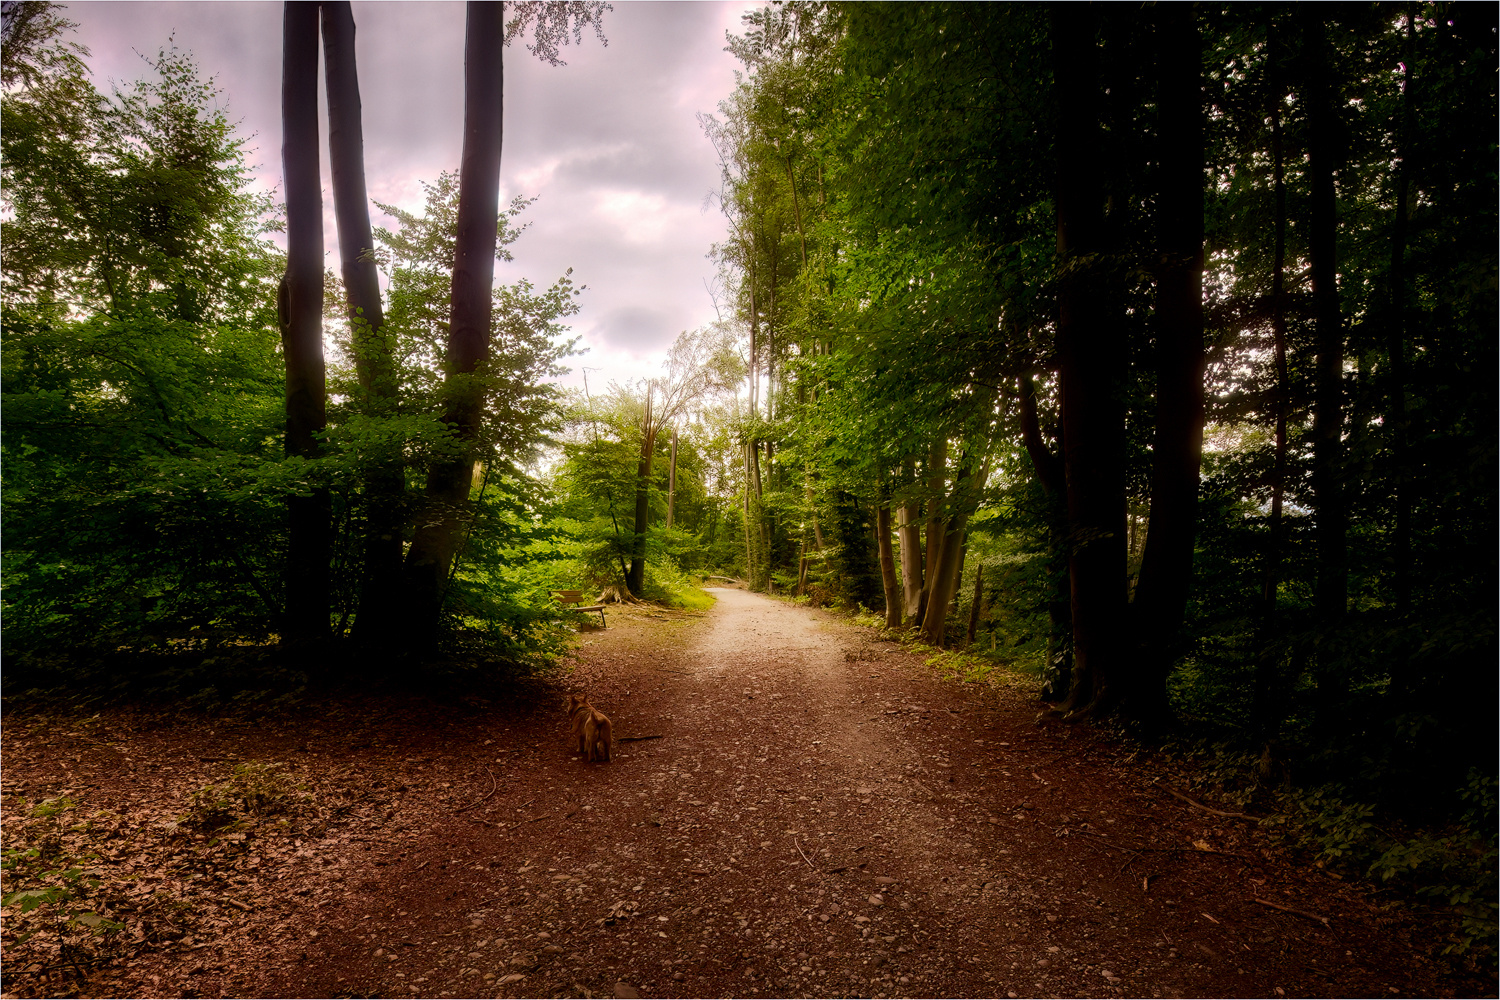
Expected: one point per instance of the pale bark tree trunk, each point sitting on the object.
(451, 478)
(909, 529)
(300, 310)
(379, 600)
(888, 565)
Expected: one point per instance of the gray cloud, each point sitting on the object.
(608, 143)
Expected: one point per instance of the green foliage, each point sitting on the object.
(254, 789)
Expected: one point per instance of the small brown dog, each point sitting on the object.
(592, 728)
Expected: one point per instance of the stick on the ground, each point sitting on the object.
(1216, 812)
(471, 805)
(804, 856)
(1288, 909)
(632, 739)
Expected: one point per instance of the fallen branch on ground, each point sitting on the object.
(633, 739)
(1288, 909)
(804, 856)
(493, 785)
(1217, 812)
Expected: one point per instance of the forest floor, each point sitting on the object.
(804, 811)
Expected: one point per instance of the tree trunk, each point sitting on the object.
(888, 565)
(1167, 561)
(749, 550)
(379, 600)
(944, 581)
(1397, 419)
(300, 310)
(1330, 515)
(958, 574)
(1264, 714)
(451, 477)
(637, 578)
(1052, 476)
(672, 480)
(937, 526)
(1047, 466)
(974, 605)
(1091, 364)
(909, 529)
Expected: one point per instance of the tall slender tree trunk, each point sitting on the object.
(1167, 560)
(672, 480)
(1091, 362)
(974, 605)
(749, 549)
(379, 599)
(1263, 708)
(937, 525)
(909, 530)
(450, 478)
(1397, 418)
(888, 565)
(637, 578)
(300, 310)
(958, 573)
(1331, 515)
(945, 575)
(1052, 475)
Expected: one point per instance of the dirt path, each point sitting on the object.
(820, 816)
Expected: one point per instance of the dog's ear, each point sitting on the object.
(573, 702)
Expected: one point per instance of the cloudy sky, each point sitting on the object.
(608, 143)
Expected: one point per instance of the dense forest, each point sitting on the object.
(1145, 351)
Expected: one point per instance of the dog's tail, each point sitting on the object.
(606, 734)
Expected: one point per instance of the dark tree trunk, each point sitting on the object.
(672, 480)
(379, 599)
(1091, 362)
(1330, 515)
(1047, 466)
(1167, 561)
(974, 605)
(958, 574)
(888, 581)
(300, 309)
(636, 580)
(1397, 418)
(449, 480)
(1052, 476)
(1264, 713)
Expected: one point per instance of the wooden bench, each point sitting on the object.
(575, 598)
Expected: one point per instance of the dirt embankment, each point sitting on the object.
(794, 809)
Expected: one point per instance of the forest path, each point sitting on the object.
(823, 816)
(820, 815)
